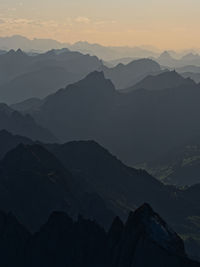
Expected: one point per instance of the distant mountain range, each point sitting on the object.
(124, 76)
(104, 52)
(165, 80)
(133, 125)
(167, 60)
(23, 76)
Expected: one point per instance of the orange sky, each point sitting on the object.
(166, 24)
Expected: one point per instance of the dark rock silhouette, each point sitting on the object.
(144, 240)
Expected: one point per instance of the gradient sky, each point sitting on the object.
(165, 24)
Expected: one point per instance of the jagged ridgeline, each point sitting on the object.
(144, 240)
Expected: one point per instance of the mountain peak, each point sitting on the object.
(146, 221)
(165, 55)
(96, 75)
(95, 80)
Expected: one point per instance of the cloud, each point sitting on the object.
(82, 20)
(2, 21)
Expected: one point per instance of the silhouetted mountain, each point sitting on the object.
(16, 41)
(9, 141)
(124, 188)
(194, 76)
(115, 62)
(27, 105)
(165, 80)
(13, 241)
(191, 59)
(145, 240)
(97, 185)
(24, 76)
(24, 125)
(108, 53)
(166, 59)
(190, 68)
(34, 183)
(136, 126)
(180, 166)
(124, 76)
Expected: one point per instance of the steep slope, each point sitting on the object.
(124, 76)
(24, 125)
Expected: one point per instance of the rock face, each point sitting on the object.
(145, 240)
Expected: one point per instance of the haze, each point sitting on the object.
(164, 24)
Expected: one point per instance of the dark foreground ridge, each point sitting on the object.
(144, 240)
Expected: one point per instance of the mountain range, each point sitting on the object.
(25, 76)
(124, 76)
(104, 52)
(17, 123)
(144, 240)
(132, 125)
(84, 178)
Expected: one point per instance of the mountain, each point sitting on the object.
(109, 53)
(93, 181)
(165, 80)
(115, 62)
(145, 240)
(23, 76)
(13, 240)
(9, 141)
(33, 183)
(180, 166)
(188, 68)
(124, 76)
(194, 76)
(124, 188)
(24, 125)
(26, 105)
(191, 59)
(17, 41)
(136, 126)
(103, 52)
(167, 60)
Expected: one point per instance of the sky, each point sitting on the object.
(166, 24)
